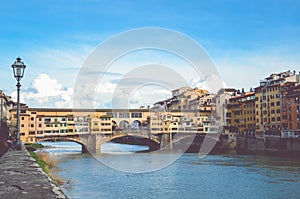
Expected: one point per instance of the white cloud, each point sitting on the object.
(46, 92)
(209, 83)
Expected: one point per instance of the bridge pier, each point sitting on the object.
(90, 144)
(84, 149)
(166, 142)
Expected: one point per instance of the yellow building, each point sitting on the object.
(40, 122)
(181, 121)
(268, 102)
(241, 109)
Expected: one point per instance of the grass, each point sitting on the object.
(40, 162)
(36, 146)
(33, 147)
(48, 165)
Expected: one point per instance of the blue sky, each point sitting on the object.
(247, 40)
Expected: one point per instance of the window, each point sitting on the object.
(22, 125)
(70, 118)
(105, 118)
(22, 118)
(47, 120)
(31, 133)
(113, 115)
(272, 111)
(32, 118)
(31, 125)
(123, 115)
(136, 115)
(278, 119)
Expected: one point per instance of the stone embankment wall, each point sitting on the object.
(252, 145)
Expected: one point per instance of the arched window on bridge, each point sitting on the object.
(124, 125)
(114, 125)
(136, 125)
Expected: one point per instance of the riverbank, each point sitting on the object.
(271, 146)
(22, 177)
(48, 165)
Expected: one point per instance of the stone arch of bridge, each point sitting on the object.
(148, 139)
(61, 140)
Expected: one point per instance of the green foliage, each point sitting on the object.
(36, 146)
(40, 162)
(48, 165)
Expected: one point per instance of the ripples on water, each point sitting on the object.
(215, 176)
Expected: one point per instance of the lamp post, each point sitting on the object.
(18, 69)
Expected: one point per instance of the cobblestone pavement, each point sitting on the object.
(21, 177)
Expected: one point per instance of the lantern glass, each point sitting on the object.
(18, 68)
(19, 72)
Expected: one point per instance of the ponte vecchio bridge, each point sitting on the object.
(92, 128)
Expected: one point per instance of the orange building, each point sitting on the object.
(291, 110)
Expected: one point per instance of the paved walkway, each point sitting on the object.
(21, 177)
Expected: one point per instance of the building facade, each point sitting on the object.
(290, 117)
(40, 122)
(268, 103)
(241, 111)
(6, 104)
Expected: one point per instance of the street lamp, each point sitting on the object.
(18, 68)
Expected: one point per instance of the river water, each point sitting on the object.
(214, 176)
